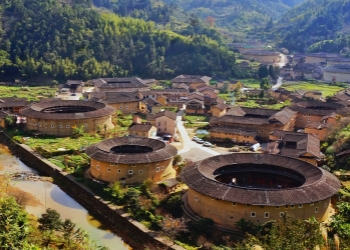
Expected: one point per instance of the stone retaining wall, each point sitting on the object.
(132, 232)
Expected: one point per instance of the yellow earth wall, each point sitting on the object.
(111, 172)
(227, 213)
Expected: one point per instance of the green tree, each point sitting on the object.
(78, 131)
(262, 94)
(50, 221)
(14, 226)
(9, 120)
(263, 71)
(272, 72)
(265, 84)
(287, 233)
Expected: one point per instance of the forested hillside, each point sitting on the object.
(236, 15)
(69, 39)
(317, 25)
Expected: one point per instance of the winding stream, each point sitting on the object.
(49, 195)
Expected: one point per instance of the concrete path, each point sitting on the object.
(191, 147)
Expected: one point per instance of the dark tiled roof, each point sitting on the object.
(236, 111)
(41, 110)
(322, 55)
(171, 91)
(150, 117)
(283, 116)
(235, 131)
(190, 79)
(74, 82)
(120, 97)
(141, 127)
(195, 102)
(221, 106)
(151, 102)
(167, 113)
(261, 52)
(259, 111)
(102, 151)
(317, 108)
(14, 103)
(304, 143)
(3, 114)
(338, 68)
(106, 83)
(319, 184)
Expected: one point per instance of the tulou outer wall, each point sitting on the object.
(133, 173)
(227, 213)
(65, 127)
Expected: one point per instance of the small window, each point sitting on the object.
(196, 198)
(277, 207)
(146, 164)
(98, 167)
(162, 168)
(252, 214)
(132, 111)
(266, 215)
(60, 126)
(45, 126)
(67, 126)
(316, 209)
(130, 172)
(157, 169)
(292, 206)
(234, 203)
(119, 171)
(85, 125)
(121, 107)
(39, 124)
(52, 126)
(157, 163)
(141, 171)
(282, 213)
(286, 206)
(300, 206)
(34, 123)
(60, 121)
(108, 170)
(134, 165)
(126, 107)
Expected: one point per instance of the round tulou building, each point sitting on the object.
(257, 187)
(60, 117)
(131, 160)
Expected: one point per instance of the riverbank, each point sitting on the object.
(132, 232)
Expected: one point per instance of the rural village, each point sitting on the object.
(217, 150)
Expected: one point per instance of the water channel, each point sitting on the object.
(48, 195)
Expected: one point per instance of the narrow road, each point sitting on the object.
(191, 150)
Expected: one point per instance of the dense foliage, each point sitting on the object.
(57, 40)
(18, 231)
(236, 15)
(288, 234)
(309, 24)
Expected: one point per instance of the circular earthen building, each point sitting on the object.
(60, 117)
(257, 187)
(131, 160)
